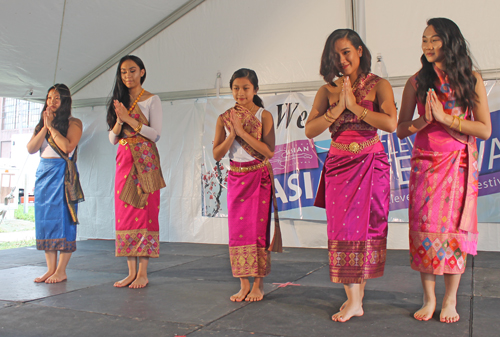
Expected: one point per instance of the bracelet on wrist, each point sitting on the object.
(138, 128)
(425, 119)
(453, 122)
(363, 114)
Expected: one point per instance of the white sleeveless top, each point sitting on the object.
(46, 151)
(236, 151)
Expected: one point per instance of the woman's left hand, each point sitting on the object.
(121, 112)
(350, 99)
(436, 107)
(237, 126)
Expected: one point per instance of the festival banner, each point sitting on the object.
(298, 161)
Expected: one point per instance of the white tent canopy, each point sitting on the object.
(184, 44)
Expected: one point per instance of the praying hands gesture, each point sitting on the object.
(350, 99)
(237, 127)
(435, 106)
(121, 113)
(48, 118)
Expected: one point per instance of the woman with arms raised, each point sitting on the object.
(453, 110)
(354, 187)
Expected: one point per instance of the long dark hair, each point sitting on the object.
(120, 91)
(329, 67)
(457, 62)
(252, 77)
(62, 114)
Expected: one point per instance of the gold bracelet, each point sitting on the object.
(138, 128)
(328, 119)
(459, 124)
(54, 135)
(363, 114)
(454, 119)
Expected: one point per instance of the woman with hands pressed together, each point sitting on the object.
(355, 186)
(453, 110)
(57, 186)
(135, 120)
(247, 132)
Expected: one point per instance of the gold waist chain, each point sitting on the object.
(355, 147)
(246, 169)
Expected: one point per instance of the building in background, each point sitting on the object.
(17, 167)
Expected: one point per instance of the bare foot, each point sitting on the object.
(44, 276)
(257, 293)
(425, 313)
(140, 282)
(57, 277)
(240, 295)
(125, 282)
(349, 310)
(449, 313)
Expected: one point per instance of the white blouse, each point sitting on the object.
(236, 151)
(151, 109)
(46, 151)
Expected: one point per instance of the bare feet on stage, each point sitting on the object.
(125, 282)
(425, 313)
(45, 276)
(57, 277)
(257, 293)
(139, 282)
(242, 294)
(449, 312)
(349, 310)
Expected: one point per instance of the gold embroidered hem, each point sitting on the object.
(137, 242)
(355, 261)
(250, 261)
(56, 244)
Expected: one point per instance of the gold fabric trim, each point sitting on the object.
(355, 147)
(250, 260)
(246, 169)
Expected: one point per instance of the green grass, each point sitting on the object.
(17, 244)
(19, 213)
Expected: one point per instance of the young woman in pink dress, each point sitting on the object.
(135, 120)
(453, 111)
(246, 131)
(354, 187)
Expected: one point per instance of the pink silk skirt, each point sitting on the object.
(437, 196)
(249, 202)
(137, 229)
(356, 198)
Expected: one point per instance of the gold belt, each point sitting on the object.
(132, 140)
(355, 147)
(246, 169)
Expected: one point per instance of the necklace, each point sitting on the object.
(135, 102)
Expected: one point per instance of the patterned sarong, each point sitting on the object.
(54, 226)
(138, 181)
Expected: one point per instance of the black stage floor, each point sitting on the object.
(190, 285)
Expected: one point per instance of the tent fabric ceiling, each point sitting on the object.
(92, 32)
